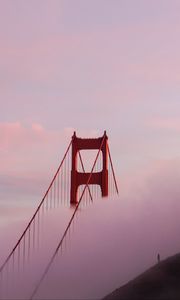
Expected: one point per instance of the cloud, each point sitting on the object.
(160, 180)
(130, 231)
(172, 124)
(30, 155)
(15, 136)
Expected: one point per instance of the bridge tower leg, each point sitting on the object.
(78, 178)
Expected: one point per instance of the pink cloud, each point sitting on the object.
(37, 127)
(159, 179)
(30, 155)
(15, 135)
(165, 123)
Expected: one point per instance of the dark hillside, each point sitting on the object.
(161, 282)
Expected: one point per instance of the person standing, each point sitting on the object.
(158, 258)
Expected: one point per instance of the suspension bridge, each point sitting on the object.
(72, 186)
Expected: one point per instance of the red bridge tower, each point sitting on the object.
(78, 178)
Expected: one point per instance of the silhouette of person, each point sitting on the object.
(158, 257)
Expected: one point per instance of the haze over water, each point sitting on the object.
(111, 241)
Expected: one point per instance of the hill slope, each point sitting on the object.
(161, 282)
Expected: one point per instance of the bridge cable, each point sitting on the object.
(114, 177)
(82, 165)
(37, 210)
(67, 228)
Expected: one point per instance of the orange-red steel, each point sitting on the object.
(99, 178)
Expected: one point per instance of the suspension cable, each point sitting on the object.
(38, 208)
(68, 226)
(82, 165)
(113, 170)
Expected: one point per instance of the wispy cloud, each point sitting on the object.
(172, 124)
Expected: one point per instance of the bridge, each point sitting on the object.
(71, 185)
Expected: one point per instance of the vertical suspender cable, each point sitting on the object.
(39, 206)
(68, 226)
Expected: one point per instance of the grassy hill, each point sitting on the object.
(161, 282)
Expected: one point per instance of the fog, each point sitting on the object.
(110, 241)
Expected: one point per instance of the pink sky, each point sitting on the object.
(89, 66)
(92, 66)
